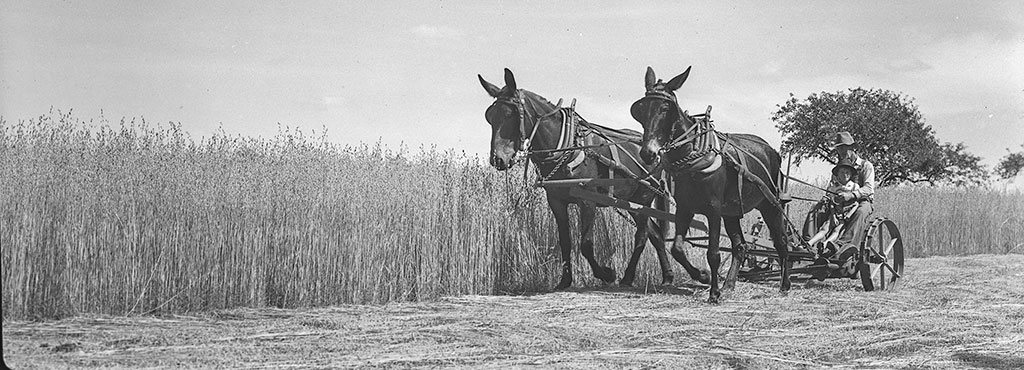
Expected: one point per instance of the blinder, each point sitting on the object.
(639, 106)
(515, 101)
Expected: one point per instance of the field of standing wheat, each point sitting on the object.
(132, 218)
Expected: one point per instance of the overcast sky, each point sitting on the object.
(405, 71)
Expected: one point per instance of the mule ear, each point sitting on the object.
(677, 81)
(491, 89)
(510, 82)
(649, 79)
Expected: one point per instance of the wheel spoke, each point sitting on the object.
(889, 248)
(894, 273)
(881, 241)
(881, 281)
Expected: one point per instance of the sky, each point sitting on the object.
(404, 72)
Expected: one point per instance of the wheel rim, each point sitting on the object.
(881, 256)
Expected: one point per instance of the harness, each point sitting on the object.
(706, 155)
(709, 148)
(577, 140)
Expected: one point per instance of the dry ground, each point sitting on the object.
(950, 312)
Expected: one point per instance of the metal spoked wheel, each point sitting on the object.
(881, 256)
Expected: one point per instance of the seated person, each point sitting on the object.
(844, 176)
(856, 222)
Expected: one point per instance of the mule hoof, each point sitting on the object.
(785, 286)
(713, 299)
(667, 280)
(626, 282)
(705, 277)
(607, 275)
(564, 284)
(701, 276)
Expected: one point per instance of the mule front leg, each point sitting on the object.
(656, 234)
(714, 259)
(683, 219)
(560, 209)
(588, 211)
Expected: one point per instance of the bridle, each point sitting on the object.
(525, 140)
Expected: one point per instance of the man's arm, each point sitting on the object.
(867, 189)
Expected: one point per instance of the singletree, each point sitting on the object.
(889, 130)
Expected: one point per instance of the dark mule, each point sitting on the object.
(524, 122)
(721, 176)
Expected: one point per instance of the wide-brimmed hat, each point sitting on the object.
(845, 163)
(843, 138)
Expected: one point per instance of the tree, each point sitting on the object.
(889, 130)
(1011, 165)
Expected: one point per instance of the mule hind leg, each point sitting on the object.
(639, 243)
(735, 232)
(775, 221)
(647, 230)
(560, 209)
(714, 258)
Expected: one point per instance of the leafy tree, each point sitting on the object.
(1011, 165)
(889, 130)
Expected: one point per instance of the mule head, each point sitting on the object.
(505, 117)
(659, 114)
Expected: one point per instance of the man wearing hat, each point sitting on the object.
(864, 194)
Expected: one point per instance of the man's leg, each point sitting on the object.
(855, 225)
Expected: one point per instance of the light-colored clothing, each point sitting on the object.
(865, 179)
(857, 222)
(849, 187)
(826, 232)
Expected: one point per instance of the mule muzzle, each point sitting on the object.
(500, 164)
(650, 152)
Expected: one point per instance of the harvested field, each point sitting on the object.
(950, 312)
